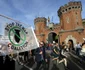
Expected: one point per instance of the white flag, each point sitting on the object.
(16, 36)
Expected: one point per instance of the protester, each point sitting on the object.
(39, 56)
(78, 48)
(26, 56)
(58, 56)
(83, 50)
(48, 56)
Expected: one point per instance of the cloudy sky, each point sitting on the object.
(26, 10)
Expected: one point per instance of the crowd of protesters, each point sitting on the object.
(48, 53)
(42, 56)
(80, 49)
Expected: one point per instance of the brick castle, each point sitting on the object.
(71, 26)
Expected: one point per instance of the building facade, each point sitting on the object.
(70, 28)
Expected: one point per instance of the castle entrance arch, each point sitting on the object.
(71, 44)
(71, 40)
(52, 36)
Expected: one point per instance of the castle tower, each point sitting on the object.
(40, 25)
(70, 15)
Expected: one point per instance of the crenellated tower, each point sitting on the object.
(40, 25)
(70, 15)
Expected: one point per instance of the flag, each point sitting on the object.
(20, 35)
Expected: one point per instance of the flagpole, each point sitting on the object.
(35, 37)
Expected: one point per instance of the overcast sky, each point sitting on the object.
(27, 10)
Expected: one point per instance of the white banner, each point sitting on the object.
(16, 36)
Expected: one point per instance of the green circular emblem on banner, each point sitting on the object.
(17, 36)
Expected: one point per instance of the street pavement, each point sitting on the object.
(74, 63)
(31, 66)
